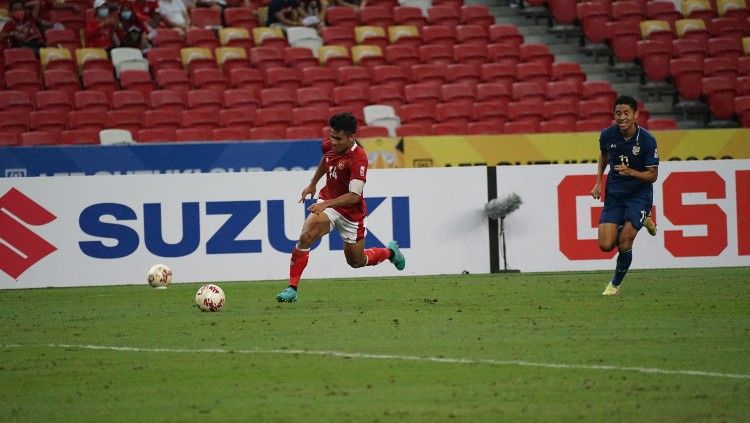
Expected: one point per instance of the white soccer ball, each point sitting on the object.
(159, 276)
(209, 298)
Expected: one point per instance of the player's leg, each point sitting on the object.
(610, 226)
(625, 253)
(353, 234)
(649, 223)
(315, 226)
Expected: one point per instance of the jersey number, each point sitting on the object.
(624, 160)
(332, 171)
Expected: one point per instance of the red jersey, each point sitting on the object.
(340, 169)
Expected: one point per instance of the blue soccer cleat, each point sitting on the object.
(288, 295)
(398, 259)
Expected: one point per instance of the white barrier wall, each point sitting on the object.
(104, 230)
(702, 210)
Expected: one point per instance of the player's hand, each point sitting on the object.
(596, 191)
(317, 208)
(309, 190)
(623, 170)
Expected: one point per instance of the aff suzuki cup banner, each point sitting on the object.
(702, 210)
(108, 230)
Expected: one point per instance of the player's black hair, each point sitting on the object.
(628, 101)
(344, 122)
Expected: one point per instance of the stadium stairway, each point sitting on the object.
(564, 42)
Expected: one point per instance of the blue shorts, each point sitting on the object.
(619, 209)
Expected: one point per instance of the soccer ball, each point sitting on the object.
(159, 276)
(209, 298)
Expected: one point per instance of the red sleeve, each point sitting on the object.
(358, 167)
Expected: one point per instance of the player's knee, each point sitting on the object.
(306, 239)
(625, 245)
(606, 245)
(355, 262)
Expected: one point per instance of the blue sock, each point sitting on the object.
(623, 264)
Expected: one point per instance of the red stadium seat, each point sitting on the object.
(376, 16)
(389, 74)
(663, 10)
(164, 58)
(687, 75)
(624, 37)
(79, 136)
(529, 92)
(727, 27)
(194, 134)
(137, 80)
(438, 34)
(277, 97)
(341, 16)
(230, 134)
(483, 128)
(240, 17)
(436, 54)
(93, 120)
(420, 114)
(209, 101)
(246, 78)
(500, 73)
(169, 119)
(599, 90)
(324, 78)
(460, 113)
(21, 59)
(661, 124)
(473, 54)
(409, 15)
(63, 38)
(730, 48)
(156, 135)
(267, 57)
(463, 73)
(593, 17)
(596, 110)
(372, 131)
(201, 37)
(688, 48)
(168, 38)
(495, 92)
(386, 94)
(310, 116)
(354, 75)
(742, 108)
(423, 93)
(167, 100)
(458, 93)
(283, 77)
(413, 129)
(491, 111)
(476, 15)
(471, 34)
(299, 58)
(302, 133)
(561, 111)
(428, 73)
(526, 111)
(521, 127)
(205, 17)
(339, 36)
(268, 133)
(443, 15)
(133, 101)
(99, 80)
(91, 100)
(401, 55)
(199, 119)
(125, 119)
(720, 66)
(535, 72)
(720, 93)
(564, 91)
(590, 125)
(15, 101)
(655, 56)
(566, 71)
(629, 11)
(51, 121)
(54, 100)
(236, 118)
(538, 53)
(312, 97)
(60, 80)
(505, 34)
(349, 96)
(555, 126)
(30, 139)
(209, 79)
(563, 12)
(274, 117)
(448, 128)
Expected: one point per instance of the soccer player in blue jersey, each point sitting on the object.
(630, 151)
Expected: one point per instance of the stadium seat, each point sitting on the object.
(299, 58)
(163, 58)
(210, 101)
(538, 53)
(62, 38)
(235, 37)
(590, 125)
(15, 101)
(743, 65)
(459, 94)
(133, 101)
(37, 138)
(561, 111)
(694, 29)
(555, 126)
(428, 73)
(627, 11)
(473, 54)
(124, 58)
(270, 37)
(99, 80)
(471, 34)
(350, 96)
(339, 36)
(438, 34)
(476, 15)
(443, 15)
(721, 67)
(505, 34)
(324, 78)
(736, 9)
(404, 35)
(386, 94)
(194, 134)
(91, 100)
(268, 133)
(94, 120)
(521, 127)
(57, 58)
(526, 111)
(334, 56)
(372, 35)
(21, 59)
(624, 36)
(564, 91)
(563, 11)
(422, 93)
(170, 119)
(414, 129)
(137, 80)
(389, 74)
(534, 72)
(663, 10)
(661, 124)
(376, 16)
(436, 54)
(302, 133)
(202, 37)
(353, 75)
(483, 128)
(51, 121)
(199, 119)
(241, 99)
(71, 20)
(460, 112)
(59, 80)
(529, 92)
(283, 77)
(341, 16)
(230, 134)
(372, 131)
(720, 93)
(167, 38)
(367, 56)
(156, 135)
(449, 128)
(727, 27)
(267, 57)
(229, 58)
(655, 56)
(79, 137)
(53, 100)
(125, 119)
(463, 73)
(730, 48)
(500, 73)
(409, 15)
(197, 58)
(303, 37)
(698, 9)
(688, 49)
(599, 90)
(310, 116)
(93, 58)
(595, 110)
(173, 79)
(167, 100)
(209, 79)
(402, 55)
(494, 92)
(22, 80)
(241, 17)
(593, 17)
(308, 97)
(236, 118)
(205, 17)
(277, 98)
(419, 114)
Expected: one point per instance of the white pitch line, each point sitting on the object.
(342, 354)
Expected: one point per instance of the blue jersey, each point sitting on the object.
(638, 153)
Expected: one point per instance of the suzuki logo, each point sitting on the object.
(20, 248)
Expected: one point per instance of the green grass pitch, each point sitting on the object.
(507, 347)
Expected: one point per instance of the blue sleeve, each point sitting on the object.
(601, 143)
(651, 153)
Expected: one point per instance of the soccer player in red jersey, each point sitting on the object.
(340, 205)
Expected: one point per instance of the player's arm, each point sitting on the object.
(601, 165)
(351, 198)
(312, 186)
(647, 176)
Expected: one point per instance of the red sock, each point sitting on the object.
(298, 264)
(377, 255)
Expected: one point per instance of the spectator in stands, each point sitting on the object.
(101, 31)
(283, 13)
(132, 32)
(23, 30)
(147, 13)
(312, 13)
(174, 14)
(40, 7)
(354, 4)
